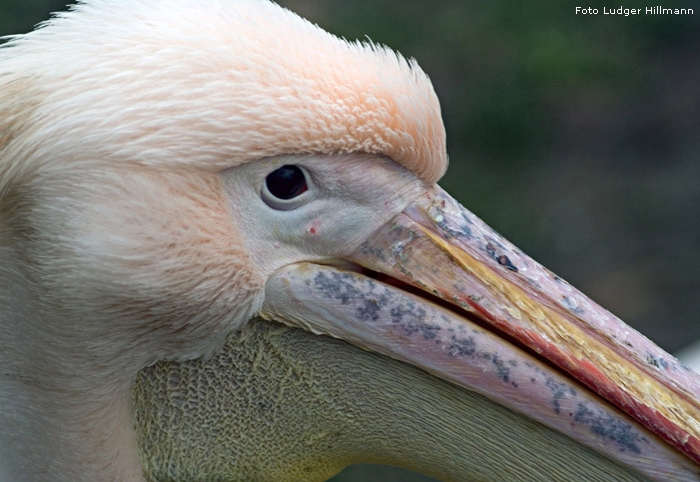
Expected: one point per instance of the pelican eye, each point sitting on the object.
(283, 186)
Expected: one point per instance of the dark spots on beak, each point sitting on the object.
(502, 370)
(500, 258)
(371, 307)
(466, 347)
(342, 287)
(461, 347)
(656, 362)
(461, 231)
(572, 306)
(451, 228)
(495, 243)
(429, 332)
(465, 218)
(533, 283)
(412, 319)
(371, 298)
(374, 251)
(337, 286)
(504, 261)
(559, 391)
(607, 427)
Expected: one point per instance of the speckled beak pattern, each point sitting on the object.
(437, 288)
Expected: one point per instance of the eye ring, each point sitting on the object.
(286, 188)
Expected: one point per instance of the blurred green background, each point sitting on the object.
(577, 137)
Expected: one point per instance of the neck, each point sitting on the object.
(64, 413)
(64, 436)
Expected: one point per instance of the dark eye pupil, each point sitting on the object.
(286, 182)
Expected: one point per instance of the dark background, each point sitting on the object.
(577, 137)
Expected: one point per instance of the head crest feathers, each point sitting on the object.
(209, 84)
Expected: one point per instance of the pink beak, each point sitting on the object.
(437, 288)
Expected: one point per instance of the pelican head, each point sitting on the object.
(171, 170)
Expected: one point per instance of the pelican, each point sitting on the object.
(224, 256)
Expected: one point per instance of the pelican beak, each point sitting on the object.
(437, 288)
